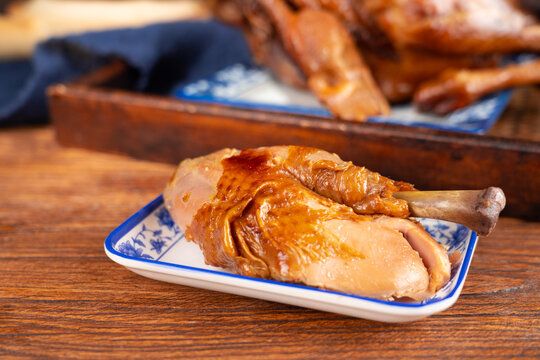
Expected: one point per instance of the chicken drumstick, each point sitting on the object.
(279, 213)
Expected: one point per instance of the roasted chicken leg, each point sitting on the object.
(454, 89)
(350, 52)
(299, 215)
(338, 75)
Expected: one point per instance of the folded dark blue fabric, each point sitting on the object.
(164, 55)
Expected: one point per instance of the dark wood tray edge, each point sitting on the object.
(88, 113)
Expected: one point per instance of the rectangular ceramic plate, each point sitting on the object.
(251, 87)
(150, 244)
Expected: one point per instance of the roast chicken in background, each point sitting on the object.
(303, 215)
(356, 56)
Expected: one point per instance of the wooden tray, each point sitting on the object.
(95, 113)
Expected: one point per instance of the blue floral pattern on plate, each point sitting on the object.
(255, 88)
(152, 238)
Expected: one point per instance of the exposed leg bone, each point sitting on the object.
(477, 209)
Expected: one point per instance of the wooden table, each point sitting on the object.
(61, 297)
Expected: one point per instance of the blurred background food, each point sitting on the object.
(357, 56)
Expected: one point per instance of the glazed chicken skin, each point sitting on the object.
(459, 26)
(305, 216)
(358, 55)
(338, 76)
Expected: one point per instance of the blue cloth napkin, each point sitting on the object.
(164, 55)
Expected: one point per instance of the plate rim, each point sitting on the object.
(324, 296)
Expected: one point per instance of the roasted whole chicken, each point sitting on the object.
(303, 215)
(356, 56)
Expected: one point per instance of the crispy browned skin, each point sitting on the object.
(337, 74)
(404, 43)
(324, 50)
(431, 36)
(365, 191)
(262, 38)
(457, 26)
(359, 21)
(454, 89)
(279, 213)
(400, 78)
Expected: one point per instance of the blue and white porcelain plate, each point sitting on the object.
(150, 244)
(255, 88)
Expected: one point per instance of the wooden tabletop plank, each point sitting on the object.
(61, 297)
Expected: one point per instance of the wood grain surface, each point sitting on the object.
(61, 297)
